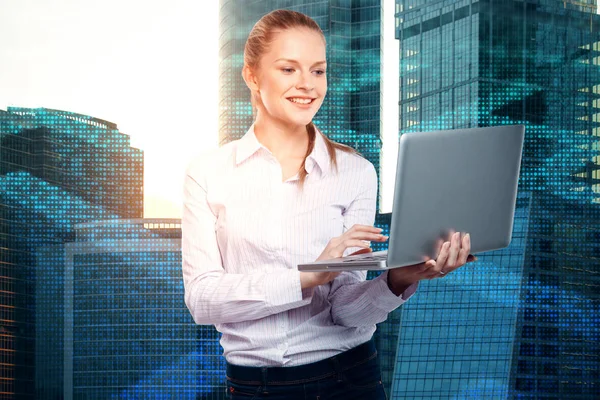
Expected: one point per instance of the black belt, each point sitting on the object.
(302, 373)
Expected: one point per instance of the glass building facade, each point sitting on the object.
(456, 337)
(57, 169)
(128, 333)
(523, 322)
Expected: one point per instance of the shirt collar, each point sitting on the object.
(249, 144)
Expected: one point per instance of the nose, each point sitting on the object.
(305, 81)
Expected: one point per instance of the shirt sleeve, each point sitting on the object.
(212, 295)
(354, 300)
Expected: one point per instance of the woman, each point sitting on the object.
(282, 195)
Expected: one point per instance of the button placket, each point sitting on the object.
(273, 217)
(278, 194)
(277, 244)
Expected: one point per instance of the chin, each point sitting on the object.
(302, 119)
(303, 122)
(297, 121)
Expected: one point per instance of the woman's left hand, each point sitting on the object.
(452, 255)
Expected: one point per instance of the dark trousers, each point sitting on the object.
(353, 374)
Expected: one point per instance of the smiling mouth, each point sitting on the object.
(297, 100)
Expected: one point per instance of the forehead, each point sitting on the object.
(300, 44)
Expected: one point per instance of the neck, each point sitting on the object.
(283, 140)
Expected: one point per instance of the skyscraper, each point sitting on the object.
(57, 168)
(128, 332)
(480, 63)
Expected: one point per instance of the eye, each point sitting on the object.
(287, 70)
(320, 72)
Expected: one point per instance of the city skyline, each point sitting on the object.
(141, 65)
(92, 288)
(44, 66)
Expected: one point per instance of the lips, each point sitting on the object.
(303, 101)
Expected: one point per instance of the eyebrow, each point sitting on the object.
(296, 62)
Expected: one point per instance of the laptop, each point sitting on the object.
(461, 180)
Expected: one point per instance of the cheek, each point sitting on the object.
(322, 88)
(275, 104)
(273, 95)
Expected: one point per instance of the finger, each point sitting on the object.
(440, 275)
(438, 246)
(441, 260)
(364, 235)
(441, 242)
(335, 248)
(464, 251)
(433, 272)
(364, 228)
(350, 243)
(454, 249)
(462, 258)
(426, 269)
(346, 242)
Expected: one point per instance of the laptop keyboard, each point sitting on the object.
(377, 256)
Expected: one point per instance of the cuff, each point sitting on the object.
(384, 298)
(407, 294)
(284, 291)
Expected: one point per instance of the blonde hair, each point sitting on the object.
(261, 35)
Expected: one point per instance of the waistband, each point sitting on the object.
(302, 373)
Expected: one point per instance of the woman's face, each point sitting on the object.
(291, 76)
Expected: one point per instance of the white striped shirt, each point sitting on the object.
(244, 232)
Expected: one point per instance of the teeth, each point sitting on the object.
(301, 101)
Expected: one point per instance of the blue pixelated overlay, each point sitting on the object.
(522, 321)
(97, 290)
(92, 286)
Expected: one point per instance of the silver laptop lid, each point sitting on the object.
(476, 169)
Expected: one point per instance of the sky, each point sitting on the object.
(149, 66)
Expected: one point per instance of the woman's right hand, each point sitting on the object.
(353, 237)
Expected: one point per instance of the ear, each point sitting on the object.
(250, 79)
